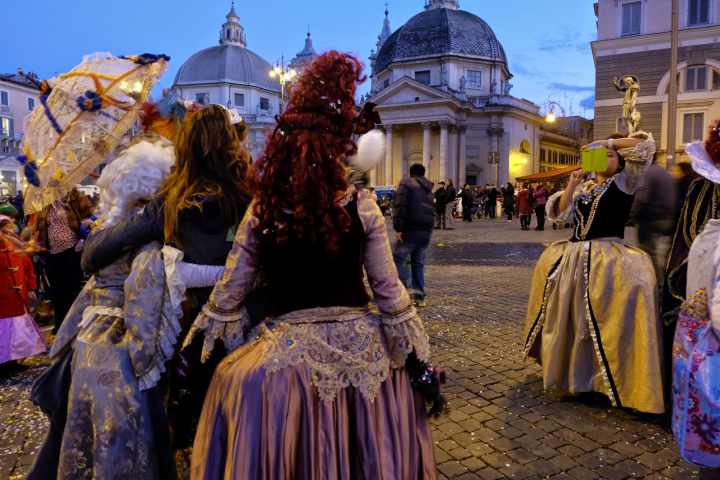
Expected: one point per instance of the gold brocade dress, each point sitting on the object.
(592, 320)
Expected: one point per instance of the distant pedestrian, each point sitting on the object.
(451, 192)
(509, 201)
(541, 196)
(413, 220)
(492, 197)
(525, 207)
(467, 197)
(441, 203)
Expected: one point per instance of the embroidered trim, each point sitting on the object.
(230, 330)
(595, 331)
(348, 351)
(540, 320)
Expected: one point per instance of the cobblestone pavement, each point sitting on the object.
(502, 425)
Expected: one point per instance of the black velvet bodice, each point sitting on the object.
(602, 213)
(301, 275)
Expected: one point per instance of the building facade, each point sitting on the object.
(633, 38)
(442, 86)
(234, 76)
(560, 142)
(19, 94)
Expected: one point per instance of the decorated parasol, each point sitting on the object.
(82, 117)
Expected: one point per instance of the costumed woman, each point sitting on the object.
(197, 211)
(323, 392)
(696, 415)
(699, 206)
(118, 338)
(20, 336)
(592, 319)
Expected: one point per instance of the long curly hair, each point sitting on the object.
(712, 144)
(210, 162)
(302, 175)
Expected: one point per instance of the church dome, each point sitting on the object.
(227, 64)
(441, 31)
(230, 62)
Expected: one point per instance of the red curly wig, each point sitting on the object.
(712, 144)
(301, 175)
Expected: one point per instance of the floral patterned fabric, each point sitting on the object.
(696, 355)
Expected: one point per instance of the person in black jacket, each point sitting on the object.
(413, 220)
(441, 195)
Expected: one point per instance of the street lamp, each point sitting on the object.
(551, 116)
(284, 75)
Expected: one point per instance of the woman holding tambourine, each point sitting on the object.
(592, 318)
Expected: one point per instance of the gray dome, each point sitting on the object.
(227, 64)
(441, 31)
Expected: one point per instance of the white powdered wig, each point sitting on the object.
(136, 174)
(371, 151)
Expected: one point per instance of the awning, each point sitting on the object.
(550, 175)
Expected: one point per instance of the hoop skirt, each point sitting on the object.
(592, 321)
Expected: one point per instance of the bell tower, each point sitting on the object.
(232, 33)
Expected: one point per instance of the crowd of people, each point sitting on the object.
(213, 313)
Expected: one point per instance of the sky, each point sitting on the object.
(547, 42)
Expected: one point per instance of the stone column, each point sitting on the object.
(444, 153)
(400, 170)
(427, 145)
(388, 154)
(462, 160)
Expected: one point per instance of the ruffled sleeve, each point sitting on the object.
(224, 317)
(404, 330)
(550, 209)
(637, 160)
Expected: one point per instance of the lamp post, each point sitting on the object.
(284, 75)
(551, 116)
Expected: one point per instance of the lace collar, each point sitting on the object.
(702, 163)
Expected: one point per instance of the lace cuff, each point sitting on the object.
(404, 333)
(216, 324)
(550, 208)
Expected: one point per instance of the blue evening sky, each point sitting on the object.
(547, 42)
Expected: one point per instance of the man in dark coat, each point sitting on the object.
(413, 220)
(441, 202)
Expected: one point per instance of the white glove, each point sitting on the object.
(197, 276)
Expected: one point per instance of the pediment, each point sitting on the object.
(407, 90)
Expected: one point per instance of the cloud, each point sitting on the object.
(570, 88)
(588, 103)
(567, 39)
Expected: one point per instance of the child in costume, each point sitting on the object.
(117, 340)
(592, 319)
(20, 336)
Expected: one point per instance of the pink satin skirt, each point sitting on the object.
(20, 338)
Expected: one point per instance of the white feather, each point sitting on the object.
(371, 151)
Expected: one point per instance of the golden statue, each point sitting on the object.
(631, 86)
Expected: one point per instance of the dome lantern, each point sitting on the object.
(451, 4)
(232, 33)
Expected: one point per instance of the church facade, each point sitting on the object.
(442, 86)
(230, 74)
